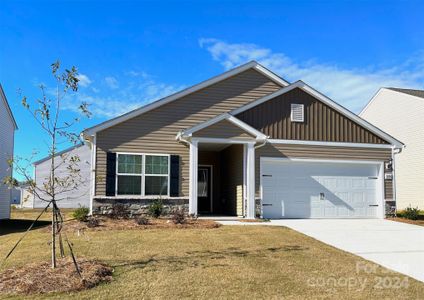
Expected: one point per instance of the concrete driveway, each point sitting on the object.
(394, 245)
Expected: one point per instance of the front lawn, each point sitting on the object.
(226, 262)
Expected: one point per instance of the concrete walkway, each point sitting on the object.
(394, 245)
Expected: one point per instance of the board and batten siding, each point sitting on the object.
(7, 130)
(223, 129)
(323, 152)
(321, 122)
(67, 199)
(155, 131)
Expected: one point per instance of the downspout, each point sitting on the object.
(257, 147)
(394, 152)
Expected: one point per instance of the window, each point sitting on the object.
(156, 173)
(142, 174)
(297, 112)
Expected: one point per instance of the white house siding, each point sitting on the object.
(402, 116)
(70, 199)
(7, 129)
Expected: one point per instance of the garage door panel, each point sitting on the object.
(320, 190)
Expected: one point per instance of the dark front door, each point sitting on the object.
(204, 189)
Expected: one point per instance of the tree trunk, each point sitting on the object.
(53, 236)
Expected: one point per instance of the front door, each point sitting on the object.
(204, 189)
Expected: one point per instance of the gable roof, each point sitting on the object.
(6, 104)
(57, 154)
(250, 65)
(341, 109)
(416, 93)
(226, 116)
(410, 92)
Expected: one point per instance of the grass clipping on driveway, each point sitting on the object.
(40, 278)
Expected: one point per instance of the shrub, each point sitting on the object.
(411, 213)
(142, 220)
(178, 216)
(81, 214)
(93, 222)
(156, 209)
(119, 211)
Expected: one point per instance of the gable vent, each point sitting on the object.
(297, 112)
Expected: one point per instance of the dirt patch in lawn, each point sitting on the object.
(106, 223)
(40, 278)
(404, 220)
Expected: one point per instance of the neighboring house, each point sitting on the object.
(247, 133)
(400, 112)
(22, 197)
(16, 196)
(7, 132)
(70, 198)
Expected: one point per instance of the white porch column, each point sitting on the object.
(192, 204)
(250, 181)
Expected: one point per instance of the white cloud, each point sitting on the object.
(112, 82)
(132, 94)
(350, 87)
(84, 81)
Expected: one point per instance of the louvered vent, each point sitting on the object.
(297, 112)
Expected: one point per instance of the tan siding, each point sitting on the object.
(322, 123)
(322, 152)
(232, 178)
(155, 130)
(223, 129)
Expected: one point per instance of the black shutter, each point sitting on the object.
(110, 173)
(175, 176)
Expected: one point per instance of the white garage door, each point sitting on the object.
(311, 189)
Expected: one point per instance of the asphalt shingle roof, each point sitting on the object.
(416, 93)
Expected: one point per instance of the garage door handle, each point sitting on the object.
(373, 205)
(266, 204)
(372, 177)
(266, 175)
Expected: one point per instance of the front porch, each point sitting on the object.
(222, 181)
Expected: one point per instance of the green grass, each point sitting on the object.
(235, 262)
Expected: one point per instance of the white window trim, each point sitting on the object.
(143, 174)
(292, 118)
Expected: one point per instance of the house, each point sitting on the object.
(67, 197)
(245, 143)
(7, 132)
(22, 196)
(400, 112)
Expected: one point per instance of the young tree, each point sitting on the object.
(47, 111)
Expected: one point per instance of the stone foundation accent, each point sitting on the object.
(390, 208)
(137, 207)
(258, 208)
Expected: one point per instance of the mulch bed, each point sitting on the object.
(106, 223)
(40, 278)
(404, 220)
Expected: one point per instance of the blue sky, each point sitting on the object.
(133, 52)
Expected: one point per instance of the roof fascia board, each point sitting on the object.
(57, 154)
(329, 102)
(372, 100)
(246, 127)
(237, 122)
(190, 90)
(271, 75)
(205, 124)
